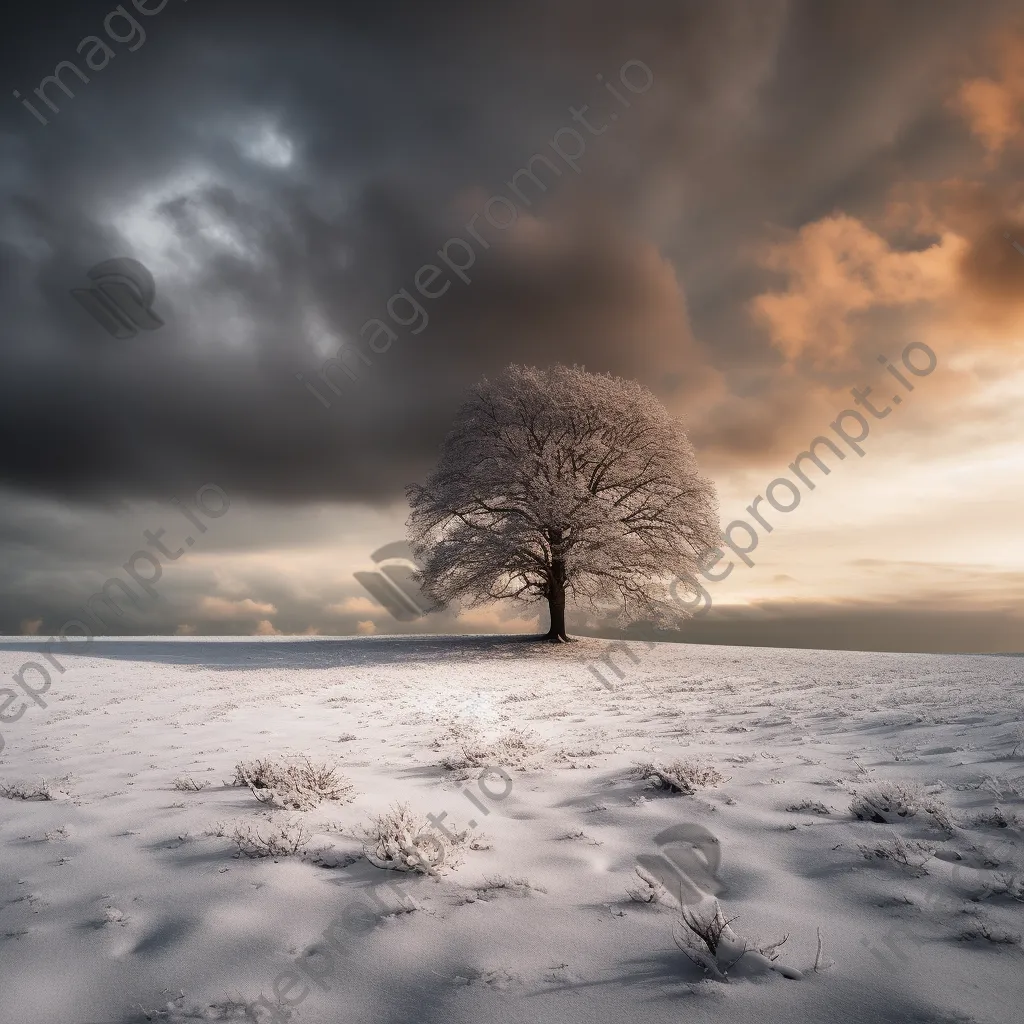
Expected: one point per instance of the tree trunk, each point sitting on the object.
(556, 590)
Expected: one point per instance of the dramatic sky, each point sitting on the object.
(788, 191)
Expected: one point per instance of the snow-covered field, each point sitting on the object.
(124, 898)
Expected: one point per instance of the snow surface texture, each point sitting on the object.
(137, 883)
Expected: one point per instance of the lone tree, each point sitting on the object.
(556, 481)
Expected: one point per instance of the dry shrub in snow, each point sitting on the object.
(708, 940)
(456, 730)
(700, 934)
(514, 748)
(176, 1012)
(186, 784)
(650, 889)
(570, 755)
(514, 886)
(292, 783)
(112, 915)
(983, 930)
(998, 818)
(907, 853)
(36, 791)
(1005, 883)
(679, 776)
(403, 841)
(885, 801)
(24, 791)
(1001, 786)
(275, 839)
(810, 806)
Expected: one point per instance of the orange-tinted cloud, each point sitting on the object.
(222, 608)
(353, 606)
(838, 267)
(994, 106)
(989, 217)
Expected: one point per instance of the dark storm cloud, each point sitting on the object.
(391, 127)
(401, 117)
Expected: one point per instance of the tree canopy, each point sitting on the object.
(559, 481)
